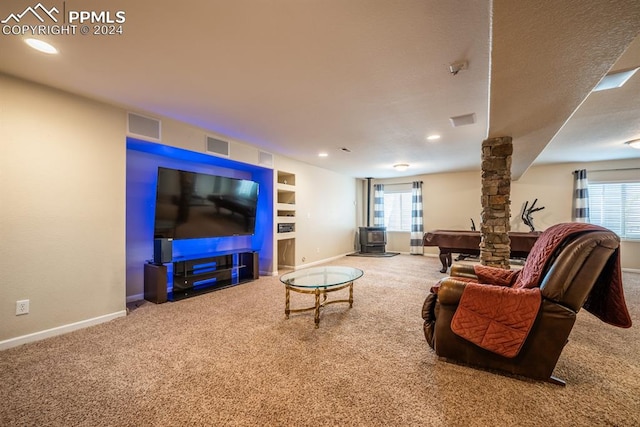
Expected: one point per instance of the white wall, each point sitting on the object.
(325, 211)
(553, 186)
(62, 174)
(451, 199)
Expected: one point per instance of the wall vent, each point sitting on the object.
(217, 146)
(466, 119)
(146, 127)
(265, 159)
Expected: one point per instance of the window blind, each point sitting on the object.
(616, 206)
(397, 211)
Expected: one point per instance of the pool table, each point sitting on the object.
(468, 242)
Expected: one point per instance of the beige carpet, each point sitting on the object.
(229, 358)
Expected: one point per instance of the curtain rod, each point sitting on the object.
(403, 183)
(607, 170)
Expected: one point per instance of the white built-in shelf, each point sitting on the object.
(282, 236)
(285, 213)
(286, 197)
(286, 178)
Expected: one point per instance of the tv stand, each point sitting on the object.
(197, 274)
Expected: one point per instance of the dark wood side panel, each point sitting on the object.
(155, 283)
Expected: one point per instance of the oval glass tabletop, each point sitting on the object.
(318, 277)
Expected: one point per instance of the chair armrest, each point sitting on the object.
(463, 270)
(450, 290)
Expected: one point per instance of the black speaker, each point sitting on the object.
(162, 251)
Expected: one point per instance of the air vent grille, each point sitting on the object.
(466, 119)
(145, 127)
(217, 146)
(265, 159)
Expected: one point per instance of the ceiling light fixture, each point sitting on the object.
(41, 46)
(433, 137)
(323, 154)
(635, 143)
(401, 167)
(615, 79)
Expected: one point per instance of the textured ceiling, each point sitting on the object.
(299, 77)
(546, 58)
(604, 121)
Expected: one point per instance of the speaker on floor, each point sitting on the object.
(162, 251)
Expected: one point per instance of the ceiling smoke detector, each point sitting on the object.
(456, 67)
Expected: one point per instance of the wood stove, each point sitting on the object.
(373, 239)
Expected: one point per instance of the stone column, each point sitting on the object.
(495, 247)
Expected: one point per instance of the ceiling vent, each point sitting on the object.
(217, 146)
(467, 119)
(265, 159)
(146, 127)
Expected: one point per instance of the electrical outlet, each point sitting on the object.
(22, 307)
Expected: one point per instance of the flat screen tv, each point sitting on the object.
(192, 205)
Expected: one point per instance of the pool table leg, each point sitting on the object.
(445, 259)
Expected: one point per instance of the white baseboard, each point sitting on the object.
(268, 273)
(134, 298)
(310, 264)
(322, 261)
(60, 330)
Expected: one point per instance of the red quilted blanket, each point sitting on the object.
(499, 318)
(496, 318)
(606, 300)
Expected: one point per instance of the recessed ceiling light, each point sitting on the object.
(614, 80)
(41, 46)
(323, 154)
(635, 143)
(401, 167)
(433, 137)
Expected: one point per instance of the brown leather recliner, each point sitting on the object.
(582, 267)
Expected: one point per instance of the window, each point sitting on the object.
(397, 210)
(616, 206)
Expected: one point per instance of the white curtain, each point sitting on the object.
(417, 227)
(378, 205)
(580, 196)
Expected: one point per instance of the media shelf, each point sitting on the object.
(199, 274)
(285, 214)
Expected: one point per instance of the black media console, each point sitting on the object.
(198, 274)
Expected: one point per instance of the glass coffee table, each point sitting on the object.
(319, 281)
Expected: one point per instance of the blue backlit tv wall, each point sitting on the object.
(143, 160)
